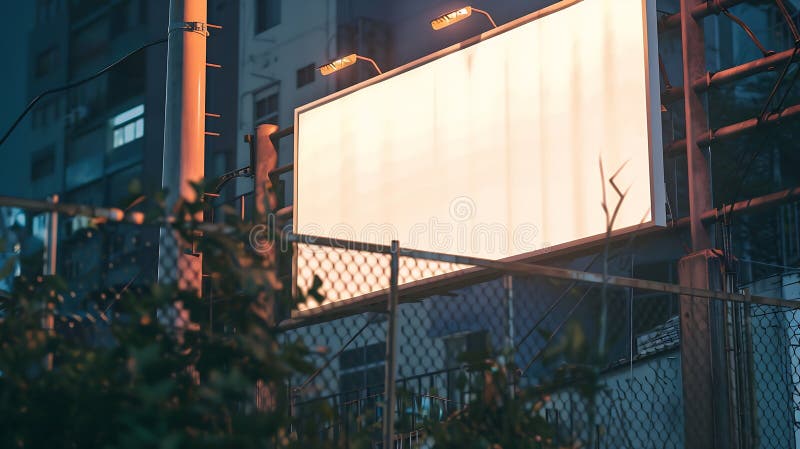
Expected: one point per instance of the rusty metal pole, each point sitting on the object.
(266, 201)
(184, 133)
(694, 66)
(266, 160)
(702, 345)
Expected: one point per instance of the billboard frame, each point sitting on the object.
(655, 153)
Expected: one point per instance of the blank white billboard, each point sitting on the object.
(490, 148)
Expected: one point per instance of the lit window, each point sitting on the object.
(139, 128)
(127, 126)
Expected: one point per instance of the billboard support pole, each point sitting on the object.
(705, 392)
(391, 348)
(266, 202)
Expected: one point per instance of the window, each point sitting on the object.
(127, 126)
(46, 62)
(305, 75)
(265, 107)
(268, 14)
(43, 163)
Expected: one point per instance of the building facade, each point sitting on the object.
(101, 142)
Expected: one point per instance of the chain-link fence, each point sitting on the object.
(548, 356)
(602, 364)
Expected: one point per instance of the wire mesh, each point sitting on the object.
(610, 362)
(598, 366)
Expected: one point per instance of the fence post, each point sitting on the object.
(391, 349)
(49, 269)
(52, 239)
(508, 303)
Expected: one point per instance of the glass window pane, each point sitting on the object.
(118, 138)
(130, 131)
(139, 128)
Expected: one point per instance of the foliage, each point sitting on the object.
(142, 371)
(503, 415)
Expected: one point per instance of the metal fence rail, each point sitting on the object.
(614, 383)
(599, 357)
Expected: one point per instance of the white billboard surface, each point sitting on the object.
(490, 149)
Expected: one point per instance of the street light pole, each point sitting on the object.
(184, 133)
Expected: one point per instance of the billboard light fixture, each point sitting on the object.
(458, 15)
(346, 61)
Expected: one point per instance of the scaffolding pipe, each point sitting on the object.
(750, 206)
(711, 137)
(281, 133)
(700, 11)
(672, 94)
(743, 71)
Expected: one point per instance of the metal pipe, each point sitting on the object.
(699, 11)
(391, 348)
(726, 132)
(281, 170)
(743, 70)
(672, 94)
(700, 333)
(488, 16)
(371, 61)
(754, 204)
(693, 52)
(281, 133)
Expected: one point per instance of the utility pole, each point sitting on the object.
(184, 133)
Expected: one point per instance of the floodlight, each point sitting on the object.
(346, 61)
(457, 16)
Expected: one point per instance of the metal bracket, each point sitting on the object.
(192, 27)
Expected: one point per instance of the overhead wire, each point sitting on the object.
(74, 84)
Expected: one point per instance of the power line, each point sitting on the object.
(75, 84)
